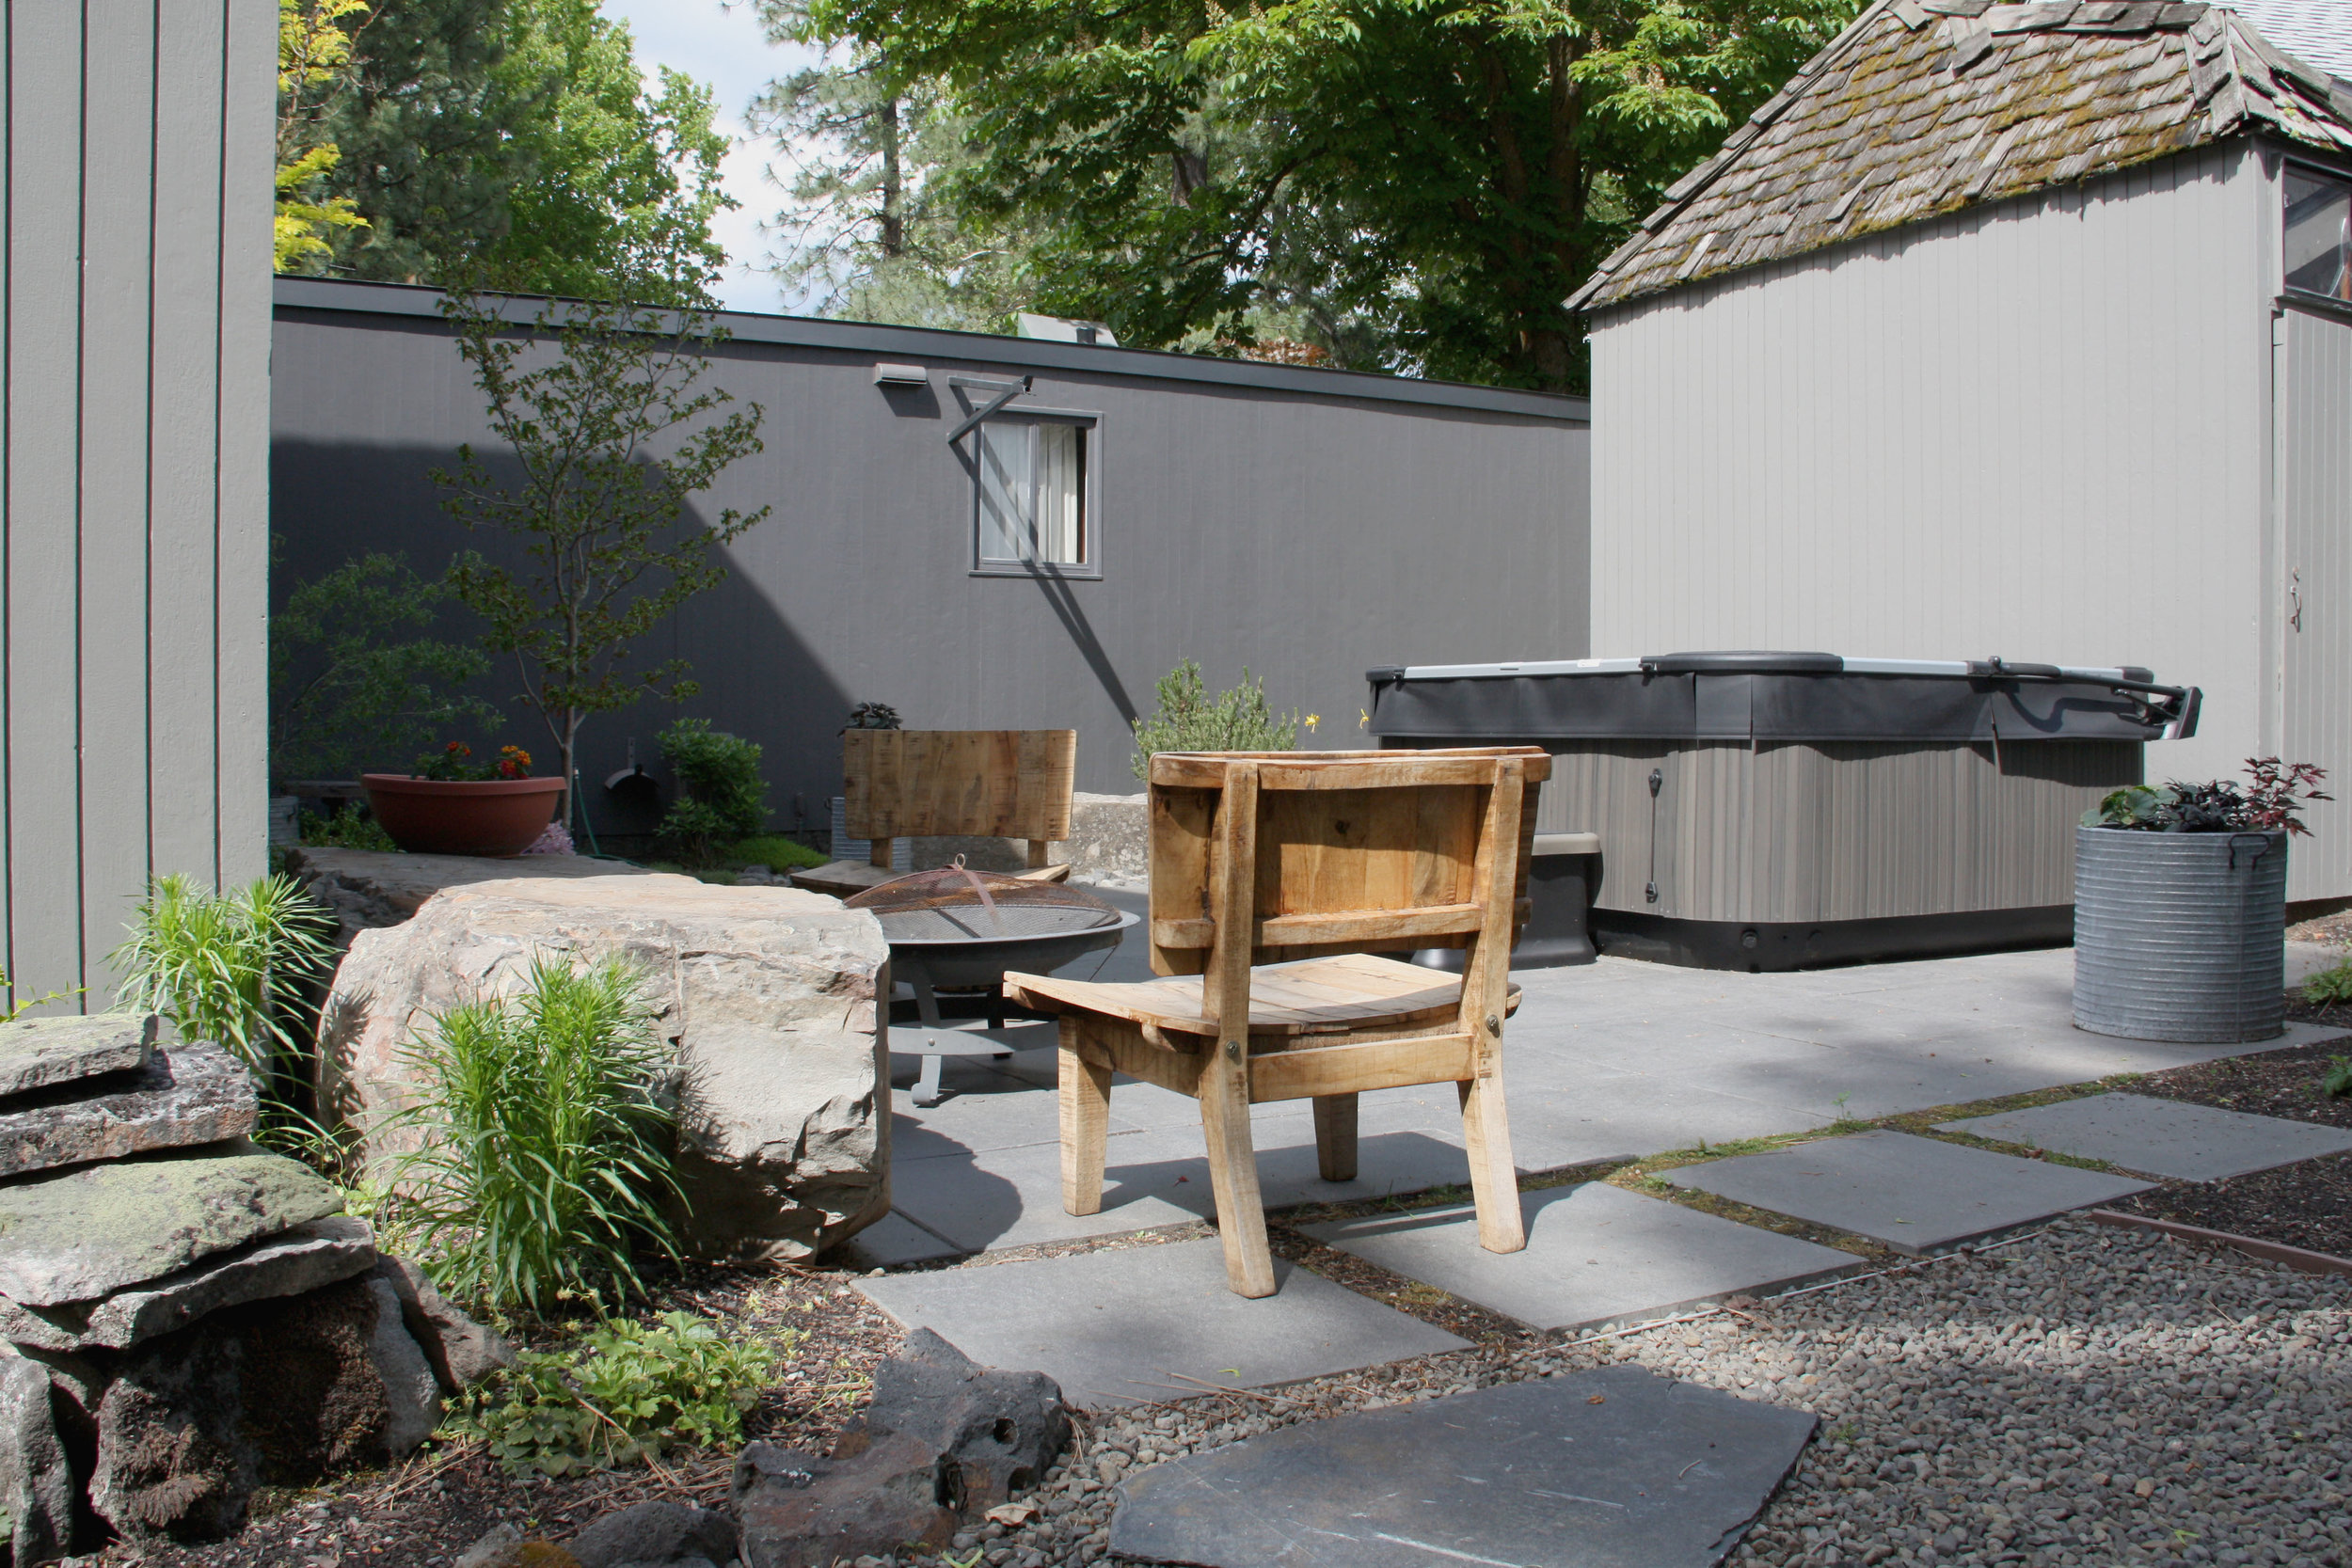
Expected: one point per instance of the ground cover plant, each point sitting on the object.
(345, 830)
(1190, 720)
(541, 1173)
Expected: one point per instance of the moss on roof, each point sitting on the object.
(1925, 107)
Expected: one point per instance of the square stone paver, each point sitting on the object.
(1596, 1256)
(1614, 1468)
(894, 1239)
(1118, 1326)
(1915, 1194)
(2160, 1137)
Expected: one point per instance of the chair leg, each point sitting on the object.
(1086, 1116)
(1335, 1136)
(1233, 1175)
(1494, 1181)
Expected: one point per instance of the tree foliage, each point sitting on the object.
(605, 440)
(512, 143)
(314, 62)
(1418, 183)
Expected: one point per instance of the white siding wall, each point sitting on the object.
(135, 298)
(2037, 430)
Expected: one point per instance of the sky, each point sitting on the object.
(720, 44)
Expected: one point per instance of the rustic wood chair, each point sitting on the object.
(1276, 880)
(917, 784)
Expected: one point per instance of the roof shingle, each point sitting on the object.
(1925, 107)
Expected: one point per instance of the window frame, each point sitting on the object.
(1089, 423)
(2312, 171)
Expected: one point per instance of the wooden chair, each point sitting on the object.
(1276, 880)
(917, 784)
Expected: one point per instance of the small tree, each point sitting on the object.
(599, 513)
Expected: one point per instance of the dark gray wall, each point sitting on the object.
(135, 255)
(1307, 524)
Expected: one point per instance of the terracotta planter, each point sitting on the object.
(462, 816)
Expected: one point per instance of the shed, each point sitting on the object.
(2016, 330)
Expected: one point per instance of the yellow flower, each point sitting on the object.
(1312, 720)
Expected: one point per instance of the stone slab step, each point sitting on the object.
(1140, 1323)
(36, 1052)
(1596, 1255)
(1611, 1469)
(316, 1252)
(91, 1231)
(1917, 1196)
(2160, 1137)
(181, 1097)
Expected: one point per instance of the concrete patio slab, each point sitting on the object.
(1596, 1255)
(1009, 1198)
(2160, 1137)
(1614, 1468)
(1917, 1196)
(1133, 1323)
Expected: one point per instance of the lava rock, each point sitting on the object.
(273, 1393)
(91, 1232)
(796, 1513)
(36, 1052)
(185, 1097)
(37, 1490)
(303, 1259)
(657, 1535)
(1000, 1430)
(505, 1547)
(412, 1395)
(462, 1351)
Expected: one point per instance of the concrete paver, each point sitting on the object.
(1596, 1256)
(2160, 1137)
(1917, 1196)
(1126, 1324)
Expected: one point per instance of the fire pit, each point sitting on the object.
(960, 929)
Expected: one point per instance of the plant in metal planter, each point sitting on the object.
(2180, 906)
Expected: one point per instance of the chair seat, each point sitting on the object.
(1309, 996)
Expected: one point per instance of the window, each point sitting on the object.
(1035, 505)
(2319, 234)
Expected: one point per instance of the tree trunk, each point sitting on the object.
(894, 239)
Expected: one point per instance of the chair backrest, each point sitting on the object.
(1339, 852)
(1001, 783)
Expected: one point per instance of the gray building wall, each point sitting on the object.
(134, 323)
(2040, 429)
(1307, 524)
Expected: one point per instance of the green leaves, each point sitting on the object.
(725, 798)
(221, 966)
(541, 1168)
(1190, 720)
(627, 1390)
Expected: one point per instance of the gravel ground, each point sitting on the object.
(2085, 1396)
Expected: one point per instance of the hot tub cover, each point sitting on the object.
(1774, 697)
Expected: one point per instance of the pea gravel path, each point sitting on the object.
(2081, 1396)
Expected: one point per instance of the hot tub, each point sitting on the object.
(1764, 811)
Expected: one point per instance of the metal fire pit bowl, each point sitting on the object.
(960, 929)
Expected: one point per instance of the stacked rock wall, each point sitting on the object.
(183, 1316)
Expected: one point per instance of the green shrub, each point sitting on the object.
(227, 966)
(1191, 721)
(543, 1164)
(627, 1390)
(2330, 987)
(776, 852)
(345, 830)
(725, 798)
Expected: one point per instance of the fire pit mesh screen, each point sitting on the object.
(954, 903)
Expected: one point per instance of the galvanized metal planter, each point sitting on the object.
(2180, 936)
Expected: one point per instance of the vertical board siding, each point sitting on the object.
(132, 508)
(1833, 831)
(2316, 505)
(2032, 430)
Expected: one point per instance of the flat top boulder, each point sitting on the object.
(36, 1052)
(188, 1095)
(92, 1232)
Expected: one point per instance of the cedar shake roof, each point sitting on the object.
(1925, 107)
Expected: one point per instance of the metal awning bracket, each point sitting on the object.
(1005, 394)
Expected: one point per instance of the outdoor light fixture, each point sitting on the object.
(901, 376)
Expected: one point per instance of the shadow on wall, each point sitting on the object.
(332, 501)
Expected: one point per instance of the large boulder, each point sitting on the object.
(37, 1488)
(370, 889)
(770, 995)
